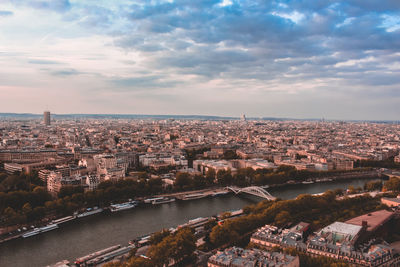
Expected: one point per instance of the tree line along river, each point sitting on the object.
(86, 235)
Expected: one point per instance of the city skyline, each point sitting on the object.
(278, 59)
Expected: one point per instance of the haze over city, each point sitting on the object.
(301, 59)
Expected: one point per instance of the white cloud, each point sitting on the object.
(346, 22)
(225, 3)
(390, 23)
(294, 16)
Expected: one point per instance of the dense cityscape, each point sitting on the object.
(56, 171)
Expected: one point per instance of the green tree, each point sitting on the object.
(224, 177)
(183, 180)
(221, 235)
(393, 184)
(210, 176)
(139, 262)
(373, 185)
(157, 237)
(26, 209)
(173, 248)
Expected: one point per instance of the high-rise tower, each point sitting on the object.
(46, 117)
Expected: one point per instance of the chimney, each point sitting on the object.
(364, 225)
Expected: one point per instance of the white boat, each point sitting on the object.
(63, 220)
(40, 230)
(60, 264)
(195, 222)
(35, 231)
(150, 200)
(84, 259)
(193, 196)
(162, 200)
(48, 227)
(308, 182)
(90, 211)
(123, 206)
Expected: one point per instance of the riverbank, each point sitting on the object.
(17, 231)
(106, 229)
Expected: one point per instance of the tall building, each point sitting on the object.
(46, 117)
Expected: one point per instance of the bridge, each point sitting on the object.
(252, 190)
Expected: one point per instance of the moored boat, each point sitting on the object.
(123, 206)
(193, 196)
(90, 211)
(31, 233)
(64, 220)
(162, 200)
(48, 227)
(40, 230)
(82, 260)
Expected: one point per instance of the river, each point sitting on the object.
(89, 234)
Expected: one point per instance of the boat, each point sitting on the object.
(40, 230)
(35, 231)
(64, 220)
(140, 241)
(216, 194)
(123, 206)
(90, 211)
(150, 200)
(307, 182)
(195, 222)
(63, 263)
(193, 196)
(82, 260)
(48, 227)
(162, 200)
(109, 256)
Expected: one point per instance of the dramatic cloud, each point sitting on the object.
(333, 59)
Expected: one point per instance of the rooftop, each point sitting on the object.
(342, 231)
(374, 219)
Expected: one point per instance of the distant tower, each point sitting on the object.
(46, 117)
(243, 118)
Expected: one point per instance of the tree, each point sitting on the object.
(157, 237)
(221, 235)
(26, 209)
(173, 248)
(393, 184)
(210, 176)
(138, 262)
(373, 185)
(224, 177)
(199, 181)
(184, 244)
(282, 218)
(183, 180)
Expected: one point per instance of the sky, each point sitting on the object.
(296, 59)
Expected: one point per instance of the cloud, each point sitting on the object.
(56, 5)
(143, 82)
(5, 13)
(183, 47)
(65, 72)
(43, 61)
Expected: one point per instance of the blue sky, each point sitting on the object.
(300, 59)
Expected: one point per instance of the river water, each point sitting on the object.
(92, 233)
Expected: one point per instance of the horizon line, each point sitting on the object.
(11, 114)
